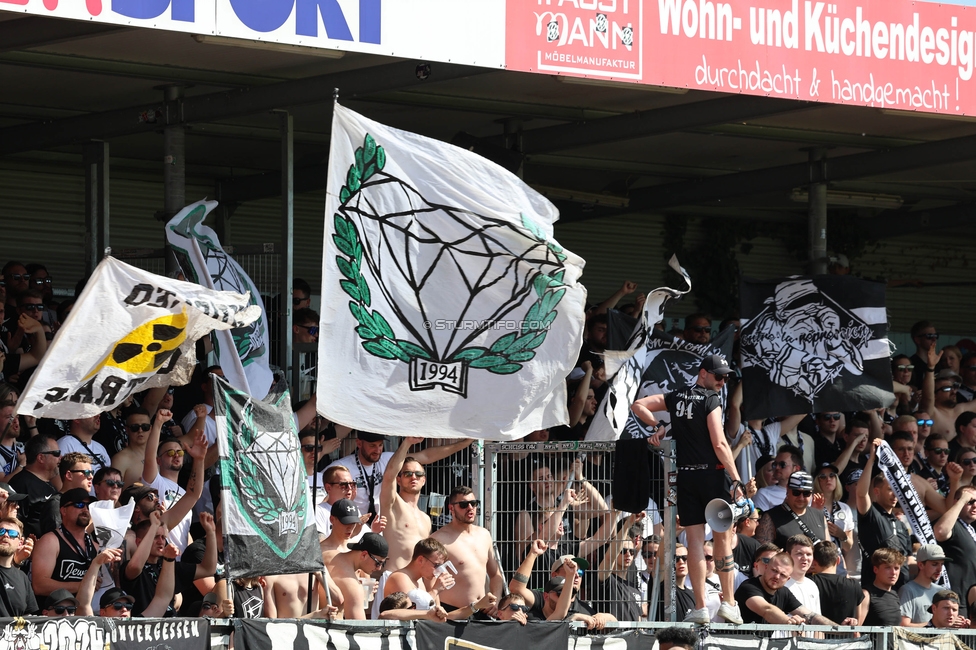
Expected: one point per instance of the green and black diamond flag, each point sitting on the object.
(269, 523)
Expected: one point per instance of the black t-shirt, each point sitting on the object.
(877, 529)
(143, 587)
(17, 594)
(112, 434)
(40, 511)
(839, 596)
(193, 554)
(825, 451)
(884, 608)
(782, 598)
(684, 602)
(744, 552)
(615, 596)
(961, 547)
(689, 409)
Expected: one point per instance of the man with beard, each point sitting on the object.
(19, 600)
(617, 595)
(767, 600)
(406, 524)
(39, 511)
(62, 556)
(367, 556)
(470, 547)
(705, 464)
(80, 438)
(162, 470)
(877, 525)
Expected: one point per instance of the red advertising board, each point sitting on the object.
(884, 53)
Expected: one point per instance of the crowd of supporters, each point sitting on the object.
(828, 542)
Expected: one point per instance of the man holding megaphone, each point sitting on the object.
(705, 465)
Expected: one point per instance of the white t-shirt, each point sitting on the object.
(806, 592)
(845, 519)
(769, 497)
(69, 443)
(322, 513)
(169, 493)
(315, 481)
(373, 472)
(209, 428)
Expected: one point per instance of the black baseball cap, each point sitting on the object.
(76, 495)
(555, 584)
(716, 364)
(346, 512)
(112, 595)
(136, 492)
(60, 596)
(372, 543)
(12, 494)
(366, 436)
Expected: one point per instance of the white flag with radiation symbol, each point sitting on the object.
(129, 330)
(448, 308)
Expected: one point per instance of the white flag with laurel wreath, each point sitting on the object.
(448, 308)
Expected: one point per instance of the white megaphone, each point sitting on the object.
(722, 515)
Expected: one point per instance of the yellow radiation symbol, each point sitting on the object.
(147, 347)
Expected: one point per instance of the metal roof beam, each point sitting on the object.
(35, 31)
(642, 124)
(757, 181)
(899, 224)
(227, 104)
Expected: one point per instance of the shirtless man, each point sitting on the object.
(471, 552)
(367, 555)
(131, 460)
(406, 523)
(289, 595)
(939, 396)
(345, 519)
(419, 579)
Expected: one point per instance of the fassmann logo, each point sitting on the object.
(269, 15)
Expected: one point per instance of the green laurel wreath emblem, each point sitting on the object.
(253, 487)
(503, 357)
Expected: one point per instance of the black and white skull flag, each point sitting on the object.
(269, 518)
(448, 308)
(812, 344)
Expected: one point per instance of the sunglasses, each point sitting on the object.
(87, 472)
(938, 450)
(904, 367)
(765, 560)
(946, 389)
(310, 448)
(174, 452)
(152, 496)
(56, 453)
(699, 329)
(709, 558)
(40, 281)
(969, 503)
(312, 329)
(297, 301)
(120, 605)
(17, 277)
(170, 390)
(680, 558)
(781, 464)
(802, 493)
(719, 377)
(145, 426)
(61, 609)
(968, 461)
(9, 532)
(628, 551)
(831, 416)
(111, 483)
(412, 474)
(80, 505)
(930, 336)
(824, 477)
(345, 485)
(379, 563)
(925, 423)
(518, 608)
(209, 606)
(32, 307)
(468, 504)
(649, 554)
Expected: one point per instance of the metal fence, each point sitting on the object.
(561, 493)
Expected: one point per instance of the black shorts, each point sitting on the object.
(696, 488)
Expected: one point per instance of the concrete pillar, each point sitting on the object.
(817, 213)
